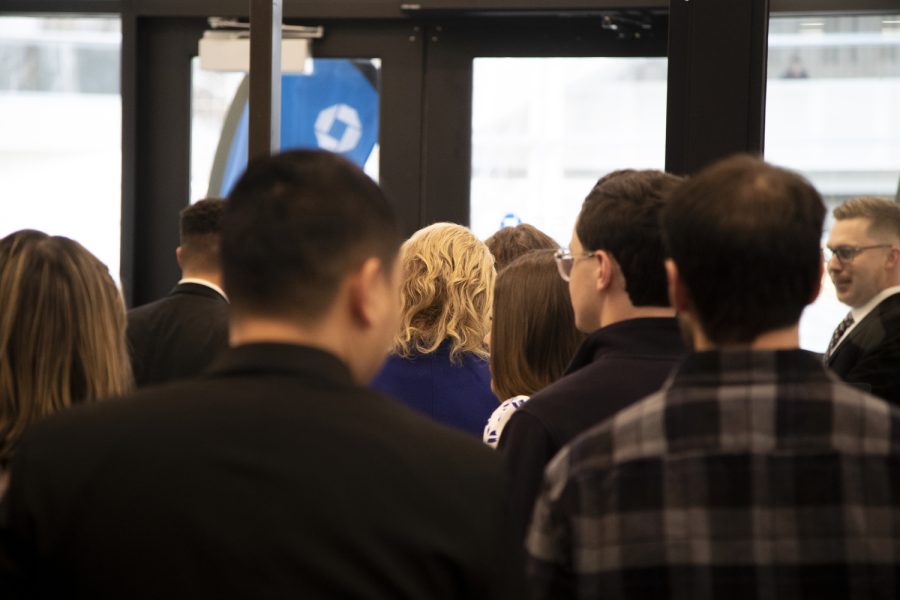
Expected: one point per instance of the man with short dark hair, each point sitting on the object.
(865, 267)
(617, 284)
(753, 473)
(180, 335)
(279, 474)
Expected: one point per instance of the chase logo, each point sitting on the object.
(338, 128)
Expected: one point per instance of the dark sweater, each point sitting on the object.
(614, 367)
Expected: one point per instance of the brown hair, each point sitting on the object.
(533, 335)
(510, 243)
(746, 238)
(883, 214)
(447, 291)
(62, 331)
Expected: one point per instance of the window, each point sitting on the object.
(832, 114)
(545, 129)
(60, 118)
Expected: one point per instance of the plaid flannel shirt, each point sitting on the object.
(751, 474)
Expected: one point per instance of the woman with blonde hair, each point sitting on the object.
(439, 363)
(62, 332)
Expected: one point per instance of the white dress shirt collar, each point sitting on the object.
(219, 290)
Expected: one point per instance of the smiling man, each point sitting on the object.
(865, 267)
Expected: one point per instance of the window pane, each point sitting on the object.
(832, 114)
(545, 129)
(334, 106)
(60, 118)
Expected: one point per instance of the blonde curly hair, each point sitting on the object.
(447, 292)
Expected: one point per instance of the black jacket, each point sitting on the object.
(178, 336)
(274, 476)
(869, 356)
(614, 367)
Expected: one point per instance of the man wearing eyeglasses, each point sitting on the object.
(864, 265)
(617, 284)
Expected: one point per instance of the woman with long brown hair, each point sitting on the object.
(533, 334)
(62, 332)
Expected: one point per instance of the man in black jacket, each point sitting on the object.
(617, 283)
(182, 334)
(864, 243)
(279, 474)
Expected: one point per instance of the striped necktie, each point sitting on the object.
(838, 334)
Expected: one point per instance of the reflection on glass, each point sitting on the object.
(334, 106)
(832, 114)
(60, 130)
(545, 129)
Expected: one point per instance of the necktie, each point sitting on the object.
(838, 334)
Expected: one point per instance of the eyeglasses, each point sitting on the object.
(565, 260)
(846, 254)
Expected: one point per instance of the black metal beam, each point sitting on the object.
(157, 150)
(717, 76)
(265, 77)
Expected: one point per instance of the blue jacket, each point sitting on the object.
(458, 395)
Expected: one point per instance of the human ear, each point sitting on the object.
(679, 296)
(605, 269)
(366, 290)
(818, 287)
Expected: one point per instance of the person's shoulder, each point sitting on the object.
(584, 384)
(888, 310)
(635, 432)
(419, 430)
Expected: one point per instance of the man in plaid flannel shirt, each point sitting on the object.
(753, 473)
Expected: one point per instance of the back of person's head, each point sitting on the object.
(62, 331)
(621, 216)
(745, 237)
(447, 291)
(510, 243)
(533, 333)
(296, 224)
(882, 214)
(201, 227)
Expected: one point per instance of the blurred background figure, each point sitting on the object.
(533, 334)
(439, 363)
(180, 335)
(62, 333)
(509, 243)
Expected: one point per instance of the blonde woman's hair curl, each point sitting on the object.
(62, 332)
(447, 292)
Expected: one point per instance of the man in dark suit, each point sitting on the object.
(182, 334)
(278, 474)
(865, 267)
(617, 282)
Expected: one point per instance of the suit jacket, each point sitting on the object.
(177, 336)
(274, 476)
(614, 367)
(869, 356)
(455, 394)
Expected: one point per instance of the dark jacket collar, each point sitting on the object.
(649, 335)
(288, 359)
(197, 290)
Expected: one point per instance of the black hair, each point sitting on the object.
(295, 224)
(621, 216)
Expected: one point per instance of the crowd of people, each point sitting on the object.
(322, 409)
